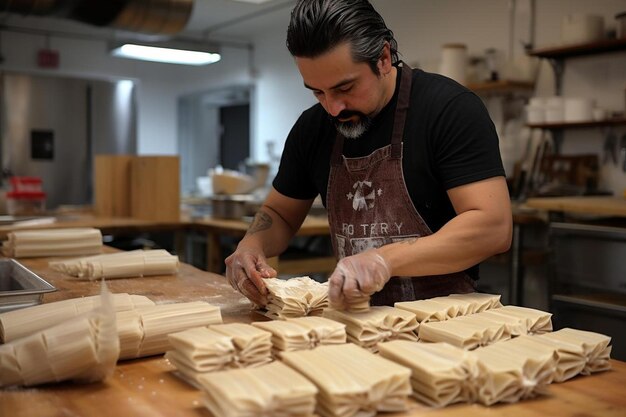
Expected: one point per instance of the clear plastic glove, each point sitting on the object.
(245, 270)
(356, 278)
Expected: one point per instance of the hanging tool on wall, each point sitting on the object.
(610, 147)
(622, 146)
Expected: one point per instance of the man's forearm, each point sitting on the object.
(268, 232)
(465, 241)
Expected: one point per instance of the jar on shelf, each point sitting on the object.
(454, 62)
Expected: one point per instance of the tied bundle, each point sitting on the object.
(138, 263)
(303, 333)
(84, 349)
(378, 324)
(53, 242)
(295, 297)
(200, 350)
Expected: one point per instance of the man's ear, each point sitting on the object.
(384, 62)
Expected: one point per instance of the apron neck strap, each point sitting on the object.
(402, 107)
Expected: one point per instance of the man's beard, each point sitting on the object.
(350, 129)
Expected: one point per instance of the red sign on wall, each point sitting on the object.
(47, 58)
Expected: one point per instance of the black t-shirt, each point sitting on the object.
(449, 140)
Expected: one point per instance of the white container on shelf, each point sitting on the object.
(578, 109)
(535, 114)
(25, 203)
(554, 110)
(537, 102)
(554, 101)
(581, 28)
(454, 62)
(599, 114)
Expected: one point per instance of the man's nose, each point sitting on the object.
(334, 106)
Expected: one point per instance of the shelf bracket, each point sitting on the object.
(558, 66)
(557, 140)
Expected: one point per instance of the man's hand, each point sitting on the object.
(245, 270)
(356, 278)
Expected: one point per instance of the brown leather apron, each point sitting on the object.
(369, 206)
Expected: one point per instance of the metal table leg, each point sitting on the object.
(516, 284)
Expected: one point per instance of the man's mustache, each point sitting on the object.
(346, 114)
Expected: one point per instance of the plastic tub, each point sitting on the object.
(23, 203)
(26, 184)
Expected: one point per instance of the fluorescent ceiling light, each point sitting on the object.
(164, 54)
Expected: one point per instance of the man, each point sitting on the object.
(406, 162)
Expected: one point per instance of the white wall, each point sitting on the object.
(280, 93)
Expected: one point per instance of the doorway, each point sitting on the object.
(235, 135)
(213, 129)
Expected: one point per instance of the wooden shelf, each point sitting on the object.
(591, 48)
(569, 125)
(501, 86)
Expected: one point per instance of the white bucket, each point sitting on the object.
(581, 28)
(554, 110)
(578, 109)
(535, 114)
(454, 62)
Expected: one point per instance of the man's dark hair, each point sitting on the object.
(317, 26)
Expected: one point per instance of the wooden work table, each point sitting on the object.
(105, 224)
(149, 387)
(191, 284)
(312, 226)
(213, 228)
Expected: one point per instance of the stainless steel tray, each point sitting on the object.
(25, 220)
(19, 286)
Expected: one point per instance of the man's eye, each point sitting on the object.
(345, 89)
(317, 93)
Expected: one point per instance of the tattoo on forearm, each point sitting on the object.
(262, 221)
(409, 241)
